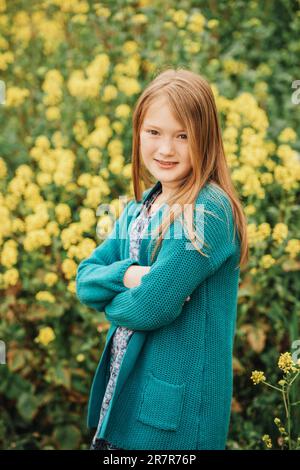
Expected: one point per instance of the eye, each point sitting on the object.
(153, 130)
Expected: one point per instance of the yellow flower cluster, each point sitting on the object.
(267, 261)
(51, 279)
(72, 235)
(287, 135)
(9, 255)
(63, 213)
(5, 59)
(257, 377)
(82, 250)
(196, 22)
(69, 268)
(72, 6)
(267, 440)
(234, 67)
(56, 164)
(280, 232)
(3, 168)
(15, 96)
(9, 278)
(81, 87)
(52, 87)
(36, 239)
(95, 157)
(286, 363)
(140, 18)
(45, 336)
(259, 233)
(293, 247)
(45, 296)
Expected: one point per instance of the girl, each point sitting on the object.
(164, 380)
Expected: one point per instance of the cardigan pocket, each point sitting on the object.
(161, 403)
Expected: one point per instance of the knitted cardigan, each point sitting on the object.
(174, 388)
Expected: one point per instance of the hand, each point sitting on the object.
(134, 274)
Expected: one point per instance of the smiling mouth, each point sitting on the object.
(165, 163)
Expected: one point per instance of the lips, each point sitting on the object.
(165, 162)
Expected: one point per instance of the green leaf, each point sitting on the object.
(67, 437)
(28, 406)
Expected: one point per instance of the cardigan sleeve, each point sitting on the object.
(174, 275)
(100, 277)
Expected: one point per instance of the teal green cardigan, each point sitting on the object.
(174, 388)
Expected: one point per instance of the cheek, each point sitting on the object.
(186, 158)
(147, 147)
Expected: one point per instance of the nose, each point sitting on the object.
(166, 148)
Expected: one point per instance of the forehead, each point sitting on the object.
(159, 114)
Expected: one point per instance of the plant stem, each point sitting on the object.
(272, 386)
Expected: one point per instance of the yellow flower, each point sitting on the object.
(35, 239)
(267, 261)
(94, 155)
(52, 228)
(196, 23)
(85, 180)
(267, 440)
(80, 357)
(139, 19)
(42, 142)
(293, 247)
(69, 268)
(85, 248)
(18, 225)
(9, 255)
(87, 217)
(286, 362)
(212, 23)
(282, 382)
(129, 47)
(257, 377)
(10, 277)
(277, 421)
(264, 230)
(45, 296)
(280, 232)
(15, 96)
(3, 168)
(43, 179)
(53, 113)
(122, 111)
(72, 287)
(45, 336)
(63, 213)
(110, 92)
(51, 279)
(287, 135)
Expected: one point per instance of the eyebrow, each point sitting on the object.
(153, 125)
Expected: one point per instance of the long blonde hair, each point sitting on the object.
(192, 102)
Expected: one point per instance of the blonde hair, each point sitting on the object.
(192, 102)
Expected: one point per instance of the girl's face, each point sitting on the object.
(163, 138)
